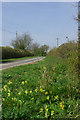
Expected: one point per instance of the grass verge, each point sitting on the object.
(41, 90)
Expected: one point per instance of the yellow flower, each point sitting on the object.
(50, 92)
(47, 109)
(56, 97)
(47, 97)
(46, 115)
(46, 106)
(41, 109)
(5, 87)
(8, 90)
(36, 90)
(61, 105)
(23, 82)
(8, 94)
(46, 93)
(44, 68)
(9, 82)
(76, 90)
(30, 91)
(52, 112)
(19, 93)
(26, 92)
(14, 99)
(3, 99)
(26, 81)
(25, 72)
(41, 89)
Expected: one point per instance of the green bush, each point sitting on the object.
(65, 49)
(68, 51)
(8, 52)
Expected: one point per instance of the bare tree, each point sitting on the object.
(22, 42)
(35, 48)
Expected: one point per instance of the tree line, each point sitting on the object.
(25, 42)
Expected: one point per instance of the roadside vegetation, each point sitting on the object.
(47, 89)
(23, 46)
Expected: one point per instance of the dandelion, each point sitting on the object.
(52, 113)
(26, 81)
(25, 72)
(5, 87)
(76, 90)
(41, 90)
(56, 97)
(46, 93)
(3, 99)
(14, 99)
(47, 109)
(47, 97)
(9, 82)
(41, 109)
(44, 68)
(23, 82)
(19, 93)
(50, 92)
(61, 105)
(8, 94)
(46, 115)
(8, 90)
(46, 106)
(36, 90)
(26, 92)
(30, 91)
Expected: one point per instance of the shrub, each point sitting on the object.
(8, 52)
(65, 49)
(68, 51)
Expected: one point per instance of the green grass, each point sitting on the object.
(41, 90)
(14, 59)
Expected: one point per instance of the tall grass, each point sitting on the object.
(45, 89)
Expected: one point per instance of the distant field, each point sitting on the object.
(41, 90)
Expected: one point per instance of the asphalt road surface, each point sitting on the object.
(19, 62)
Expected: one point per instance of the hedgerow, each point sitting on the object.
(8, 52)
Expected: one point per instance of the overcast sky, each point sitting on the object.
(43, 21)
